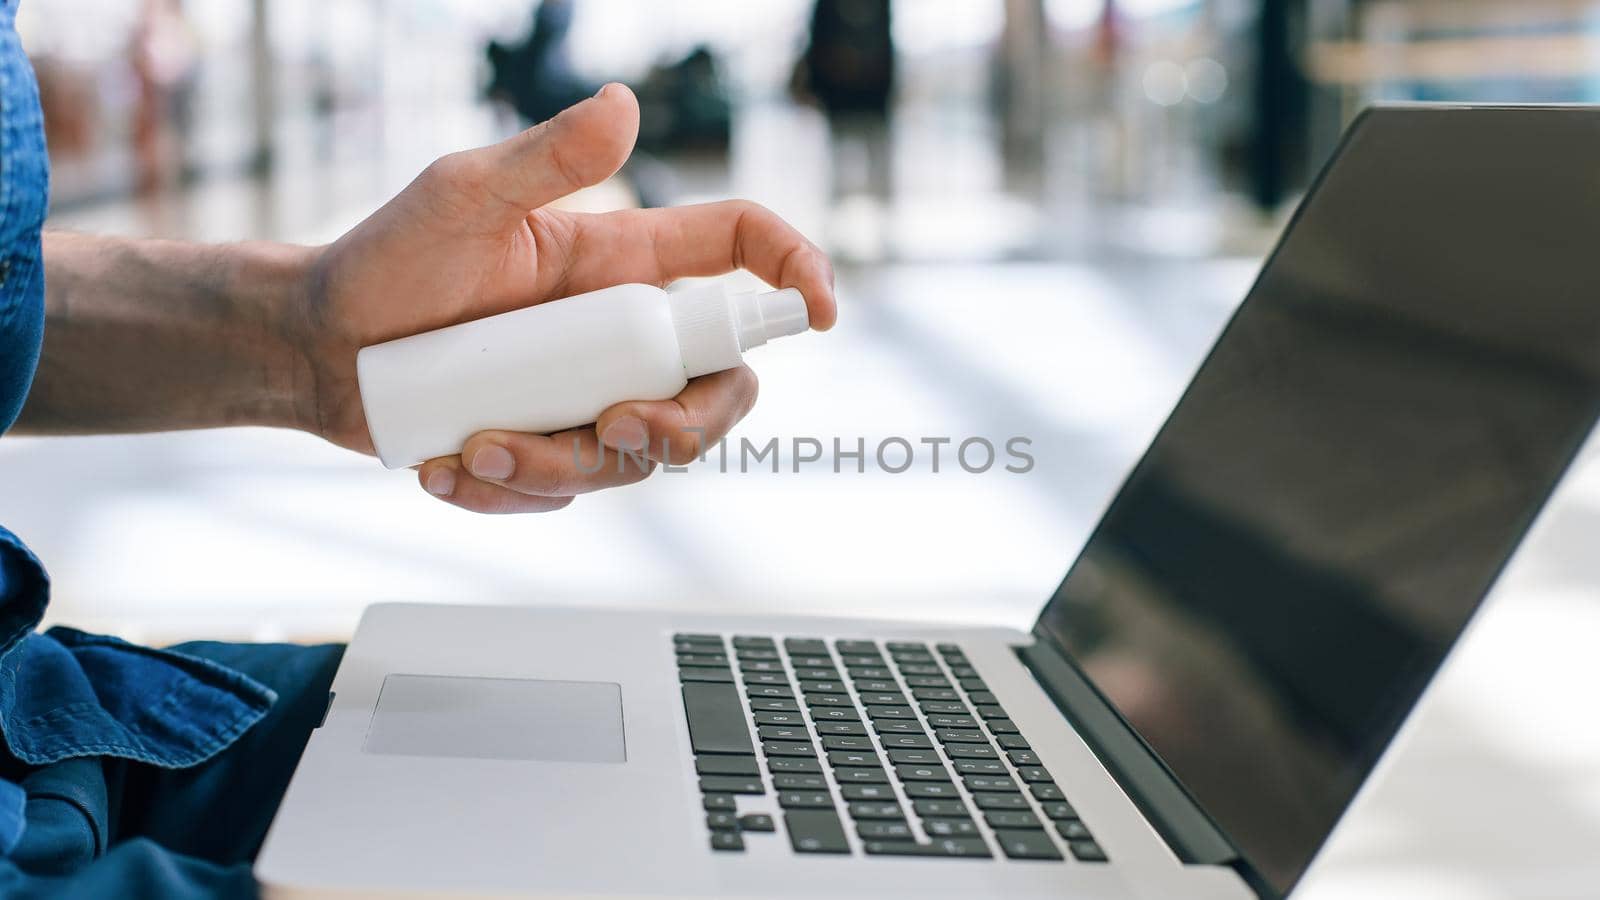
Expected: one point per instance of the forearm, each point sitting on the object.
(157, 335)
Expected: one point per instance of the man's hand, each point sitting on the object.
(472, 237)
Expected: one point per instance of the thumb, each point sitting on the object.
(583, 145)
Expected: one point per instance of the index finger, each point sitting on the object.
(659, 245)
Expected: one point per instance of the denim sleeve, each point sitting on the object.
(134, 870)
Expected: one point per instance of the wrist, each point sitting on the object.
(271, 286)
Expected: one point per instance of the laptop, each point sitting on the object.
(1223, 665)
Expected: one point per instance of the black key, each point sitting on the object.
(950, 827)
(774, 704)
(991, 712)
(930, 790)
(991, 784)
(960, 736)
(1073, 830)
(958, 659)
(834, 714)
(876, 684)
(945, 847)
(721, 821)
(920, 659)
(873, 672)
(842, 729)
(866, 792)
(927, 681)
(826, 673)
(701, 673)
(876, 810)
(793, 764)
(815, 700)
(718, 803)
(922, 773)
(943, 809)
(907, 646)
(757, 822)
(760, 665)
(884, 698)
(726, 765)
(915, 757)
(897, 726)
(682, 638)
(1059, 810)
(716, 720)
(788, 748)
(777, 678)
(1087, 851)
(858, 662)
(812, 662)
(929, 693)
(823, 687)
(731, 784)
(860, 775)
(726, 840)
(884, 830)
(944, 708)
(805, 647)
(768, 690)
(746, 642)
(983, 698)
(702, 659)
(903, 741)
(805, 799)
(759, 654)
(815, 831)
(1007, 818)
(971, 751)
(1046, 790)
(1023, 757)
(848, 742)
(1012, 742)
(973, 684)
(1026, 845)
(856, 646)
(980, 767)
(774, 717)
(952, 721)
(783, 733)
(963, 671)
(798, 781)
(890, 712)
(948, 649)
(867, 757)
(920, 669)
(1001, 726)
(1000, 801)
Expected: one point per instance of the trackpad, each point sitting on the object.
(498, 718)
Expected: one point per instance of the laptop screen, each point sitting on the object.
(1356, 460)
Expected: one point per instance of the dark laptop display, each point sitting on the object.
(1351, 468)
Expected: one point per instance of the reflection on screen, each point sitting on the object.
(1351, 468)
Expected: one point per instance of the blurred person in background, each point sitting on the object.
(165, 56)
(131, 771)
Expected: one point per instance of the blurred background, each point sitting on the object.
(1042, 212)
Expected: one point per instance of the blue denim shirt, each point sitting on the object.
(67, 695)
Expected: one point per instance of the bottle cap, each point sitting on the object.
(714, 327)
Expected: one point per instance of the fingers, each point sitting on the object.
(583, 145)
(445, 479)
(659, 245)
(676, 431)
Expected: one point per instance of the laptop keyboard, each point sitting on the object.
(901, 744)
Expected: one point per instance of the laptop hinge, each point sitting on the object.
(1187, 830)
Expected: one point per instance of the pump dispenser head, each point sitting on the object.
(715, 327)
